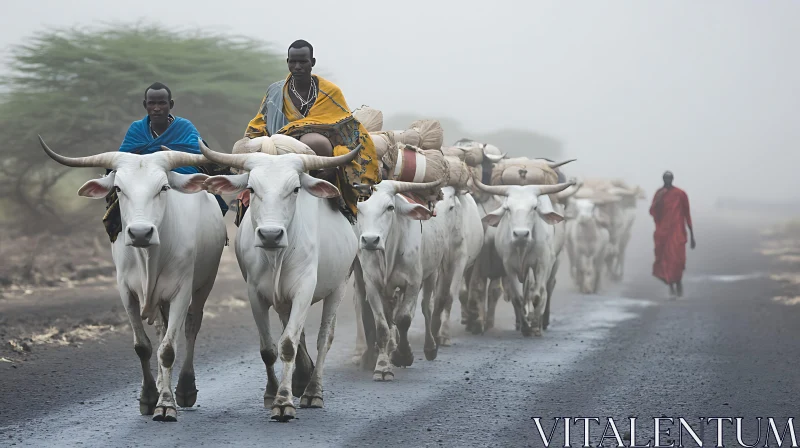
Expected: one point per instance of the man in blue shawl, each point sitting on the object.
(147, 135)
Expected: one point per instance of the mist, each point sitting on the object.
(705, 89)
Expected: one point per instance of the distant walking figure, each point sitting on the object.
(670, 210)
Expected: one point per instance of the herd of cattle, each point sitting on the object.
(492, 226)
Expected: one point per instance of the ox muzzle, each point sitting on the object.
(521, 236)
(141, 234)
(271, 237)
(371, 242)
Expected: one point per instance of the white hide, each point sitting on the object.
(294, 249)
(166, 258)
(586, 245)
(400, 251)
(462, 247)
(528, 241)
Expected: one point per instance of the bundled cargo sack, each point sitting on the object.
(459, 173)
(276, 145)
(431, 134)
(372, 119)
(521, 171)
(408, 163)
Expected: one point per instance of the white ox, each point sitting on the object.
(166, 258)
(399, 255)
(528, 242)
(626, 218)
(294, 249)
(464, 241)
(587, 243)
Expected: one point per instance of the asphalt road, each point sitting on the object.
(725, 350)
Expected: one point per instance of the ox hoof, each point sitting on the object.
(147, 408)
(382, 376)
(165, 414)
(537, 332)
(186, 399)
(313, 402)
(444, 341)
(402, 359)
(430, 353)
(283, 413)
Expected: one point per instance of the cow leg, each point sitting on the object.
(429, 286)
(477, 299)
(358, 294)
(178, 309)
(463, 295)
(495, 291)
(514, 290)
(312, 396)
(186, 391)
(367, 320)
(303, 367)
(269, 352)
(551, 285)
(384, 335)
(541, 275)
(448, 287)
(403, 356)
(148, 396)
(282, 408)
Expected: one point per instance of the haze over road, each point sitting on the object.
(725, 350)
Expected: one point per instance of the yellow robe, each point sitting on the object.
(331, 117)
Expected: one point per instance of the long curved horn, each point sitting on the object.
(551, 189)
(497, 190)
(318, 162)
(175, 159)
(569, 192)
(103, 160)
(494, 158)
(402, 187)
(554, 165)
(232, 160)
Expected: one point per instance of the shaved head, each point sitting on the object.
(668, 178)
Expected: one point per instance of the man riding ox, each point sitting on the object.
(294, 250)
(167, 257)
(156, 131)
(528, 242)
(313, 110)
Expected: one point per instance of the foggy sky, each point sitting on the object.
(706, 89)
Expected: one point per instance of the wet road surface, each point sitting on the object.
(725, 350)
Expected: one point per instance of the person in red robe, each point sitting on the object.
(670, 210)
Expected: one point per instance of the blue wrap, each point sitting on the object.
(181, 135)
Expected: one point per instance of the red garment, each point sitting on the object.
(670, 210)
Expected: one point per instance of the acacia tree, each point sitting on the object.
(81, 88)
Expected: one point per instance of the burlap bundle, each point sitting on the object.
(435, 168)
(275, 145)
(372, 119)
(459, 175)
(522, 171)
(471, 155)
(430, 132)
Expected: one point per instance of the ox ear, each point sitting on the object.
(97, 188)
(318, 187)
(187, 183)
(228, 184)
(493, 218)
(413, 211)
(547, 212)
